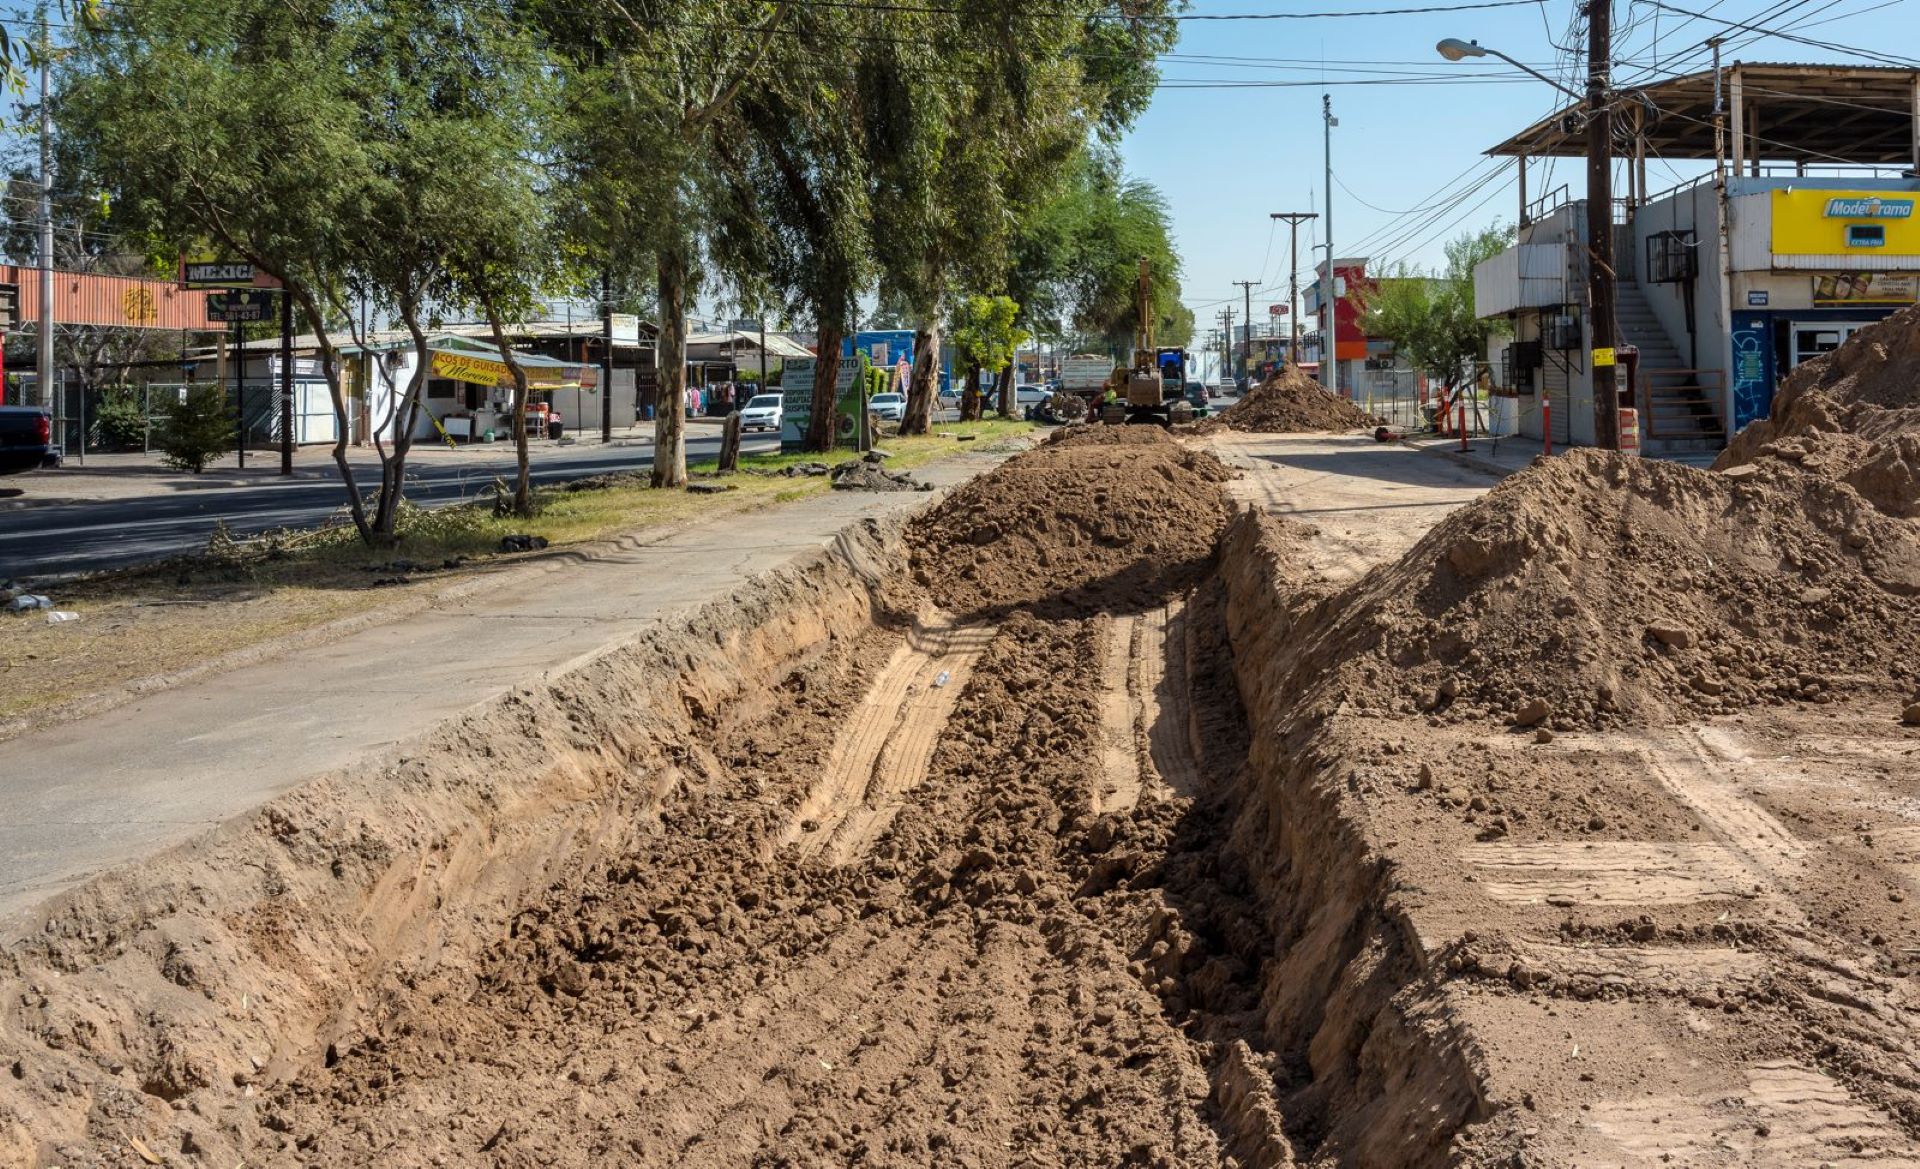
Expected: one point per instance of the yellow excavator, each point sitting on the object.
(1153, 388)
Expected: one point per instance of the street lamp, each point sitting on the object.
(1455, 49)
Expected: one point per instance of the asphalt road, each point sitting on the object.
(86, 537)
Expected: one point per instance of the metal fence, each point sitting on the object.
(1393, 395)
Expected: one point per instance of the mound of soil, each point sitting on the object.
(1291, 402)
(1597, 589)
(1100, 518)
(1851, 415)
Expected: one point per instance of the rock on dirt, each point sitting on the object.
(1852, 415)
(1098, 517)
(1594, 589)
(1291, 402)
(868, 473)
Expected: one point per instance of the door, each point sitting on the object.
(1809, 339)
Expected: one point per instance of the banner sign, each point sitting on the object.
(1808, 222)
(483, 371)
(1865, 288)
(9, 305)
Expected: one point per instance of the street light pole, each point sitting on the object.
(1602, 308)
(1330, 336)
(44, 365)
(1294, 220)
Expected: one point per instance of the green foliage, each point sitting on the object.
(119, 423)
(1077, 258)
(1430, 319)
(982, 329)
(199, 428)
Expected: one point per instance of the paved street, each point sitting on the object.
(83, 537)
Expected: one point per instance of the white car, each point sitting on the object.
(888, 407)
(762, 413)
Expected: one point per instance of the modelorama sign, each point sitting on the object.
(1835, 223)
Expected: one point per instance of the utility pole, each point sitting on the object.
(286, 381)
(1246, 349)
(1600, 276)
(45, 344)
(1294, 220)
(606, 357)
(1227, 316)
(1329, 336)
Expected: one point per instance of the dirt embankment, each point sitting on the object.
(1852, 415)
(1596, 590)
(1291, 402)
(1099, 517)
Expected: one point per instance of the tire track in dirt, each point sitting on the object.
(1119, 783)
(1160, 682)
(889, 739)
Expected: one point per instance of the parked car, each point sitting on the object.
(888, 407)
(1027, 398)
(762, 412)
(26, 439)
(1197, 398)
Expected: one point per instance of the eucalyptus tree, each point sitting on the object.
(634, 150)
(230, 128)
(973, 115)
(791, 211)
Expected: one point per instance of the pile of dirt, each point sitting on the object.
(1851, 415)
(869, 473)
(1600, 589)
(1101, 517)
(1291, 402)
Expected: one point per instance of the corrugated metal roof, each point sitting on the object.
(1816, 113)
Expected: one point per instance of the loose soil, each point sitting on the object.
(1852, 415)
(1080, 820)
(1291, 402)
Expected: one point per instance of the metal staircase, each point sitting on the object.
(1678, 406)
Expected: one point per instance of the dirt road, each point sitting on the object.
(1033, 832)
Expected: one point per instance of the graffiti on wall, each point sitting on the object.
(1752, 382)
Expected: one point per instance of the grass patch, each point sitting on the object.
(166, 618)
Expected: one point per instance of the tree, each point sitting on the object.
(644, 87)
(986, 336)
(1430, 319)
(1076, 258)
(199, 428)
(229, 128)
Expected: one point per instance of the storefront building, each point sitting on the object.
(1803, 232)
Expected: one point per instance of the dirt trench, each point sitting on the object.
(826, 874)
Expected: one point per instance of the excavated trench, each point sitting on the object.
(1049, 872)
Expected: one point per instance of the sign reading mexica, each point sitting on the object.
(1835, 223)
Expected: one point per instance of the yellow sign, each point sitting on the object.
(1809, 222)
(460, 367)
(1602, 357)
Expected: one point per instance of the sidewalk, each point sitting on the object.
(139, 778)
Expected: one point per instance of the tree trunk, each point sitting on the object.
(523, 481)
(826, 376)
(393, 468)
(918, 418)
(730, 443)
(330, 369)
(970, 401)
(1005, 404)
(670, 418)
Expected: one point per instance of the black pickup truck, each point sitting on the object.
(26, 439)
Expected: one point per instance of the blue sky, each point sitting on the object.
(1227, 157)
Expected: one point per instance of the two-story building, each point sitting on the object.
(1803, 231)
